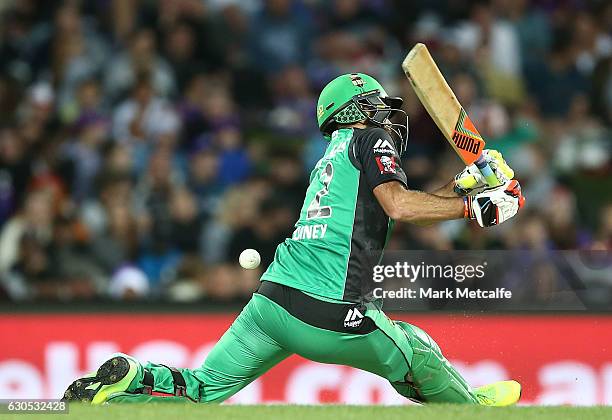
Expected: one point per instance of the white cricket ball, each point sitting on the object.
(249, 259)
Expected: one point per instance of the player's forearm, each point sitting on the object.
(416, 206)
(447, 190)
(422, 208)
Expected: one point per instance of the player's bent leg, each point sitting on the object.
(337, 333)
(431, 375)
(122, 378)
(425, 375)
(436, 380)
(243, 353)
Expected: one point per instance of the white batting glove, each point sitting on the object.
(470, 181)
(495, 205)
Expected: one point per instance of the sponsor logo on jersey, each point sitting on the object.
(386, 164)
(383, 146)
(353, 319)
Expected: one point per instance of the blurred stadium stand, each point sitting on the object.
(144, 144)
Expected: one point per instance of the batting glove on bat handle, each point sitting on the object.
(489, 170)
(494, 205)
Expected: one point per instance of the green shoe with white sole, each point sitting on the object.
(114, 375)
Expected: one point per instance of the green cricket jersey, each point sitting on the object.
(342, 228)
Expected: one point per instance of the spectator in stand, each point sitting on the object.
(141, 57)
(279, 35)
(181, 52)
(85, 153)
(15, 172)
(140, 117)
(264, 232)
(117, 245)
(88, 100)
(234, 161)
(35, 220)
(555, 81)
(129, 283)
(237, 210)
(78, 54)
(203, 181)
(186, 222)
(294, 111)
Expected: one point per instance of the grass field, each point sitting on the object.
(331, 412)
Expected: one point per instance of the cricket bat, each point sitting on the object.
(446, 111)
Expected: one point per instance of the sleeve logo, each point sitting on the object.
(386, 164)
(383, 146)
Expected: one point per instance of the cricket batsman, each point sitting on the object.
(310, 300)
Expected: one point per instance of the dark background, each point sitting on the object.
(144, 144)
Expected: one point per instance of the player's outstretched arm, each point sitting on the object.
(490, 207)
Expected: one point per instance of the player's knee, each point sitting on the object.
(424, 349)
(417, 335)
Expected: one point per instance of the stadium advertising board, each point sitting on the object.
(561, 359)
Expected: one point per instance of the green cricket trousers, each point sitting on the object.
(280, 321)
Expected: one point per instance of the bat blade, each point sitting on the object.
(442, 105)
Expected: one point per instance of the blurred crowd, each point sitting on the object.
(144, 144)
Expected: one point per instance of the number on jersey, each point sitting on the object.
(315, 210)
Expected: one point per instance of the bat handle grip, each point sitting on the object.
(487, 172)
